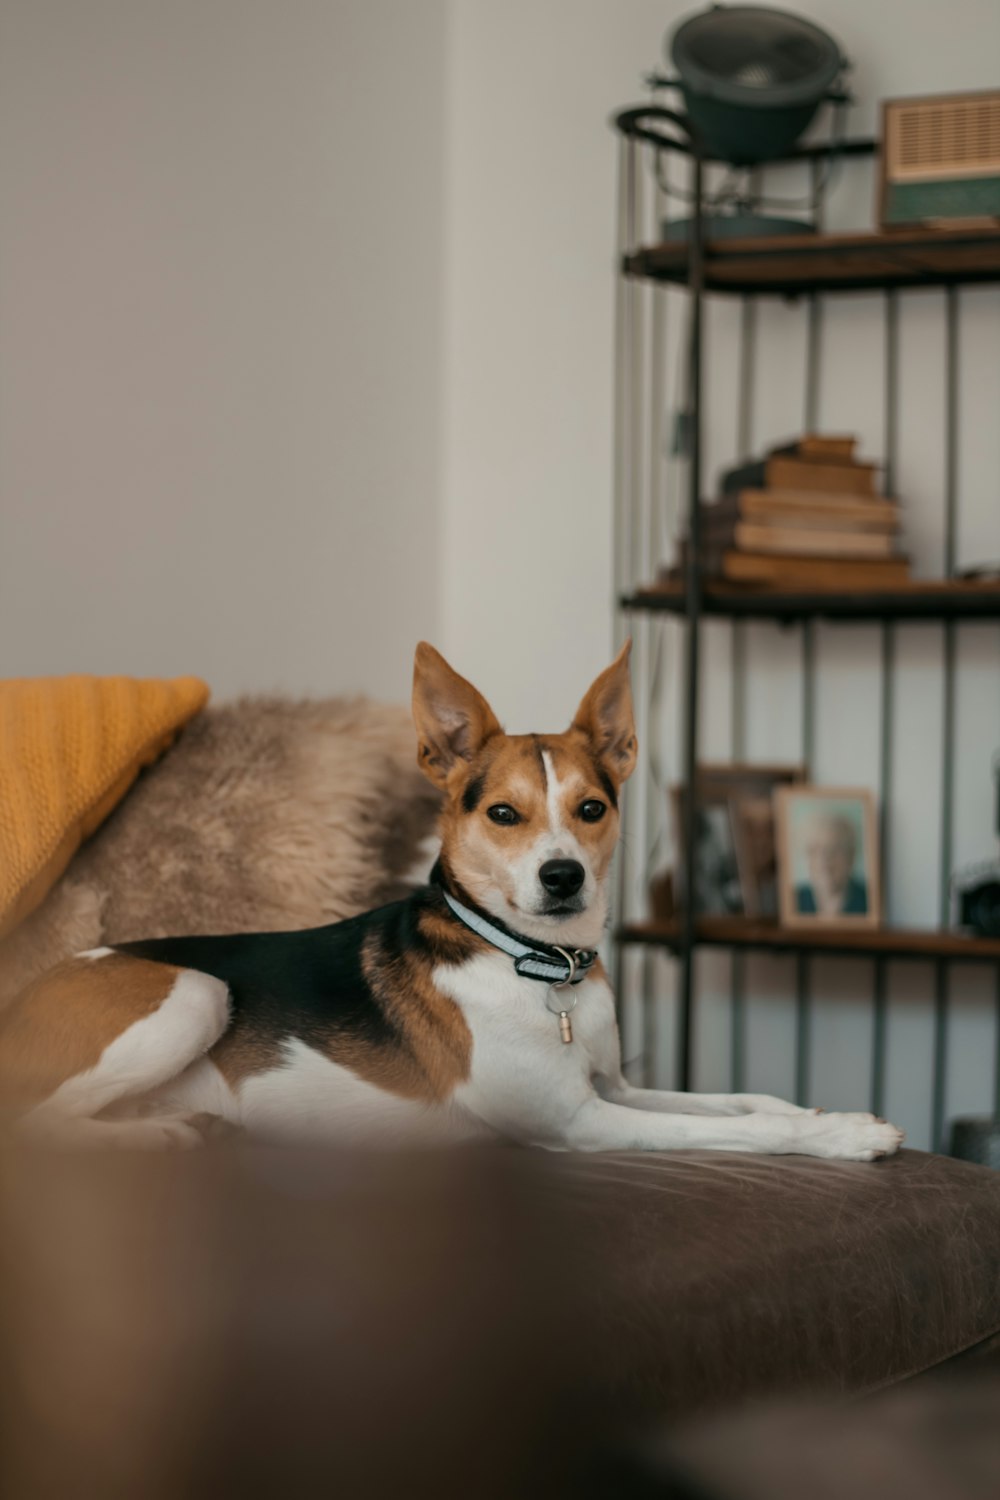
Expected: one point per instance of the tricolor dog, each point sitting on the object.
(476, 1007)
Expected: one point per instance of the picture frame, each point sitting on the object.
(716, 875)
(737, 873)
(828, 857)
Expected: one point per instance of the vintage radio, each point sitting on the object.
(940, 161)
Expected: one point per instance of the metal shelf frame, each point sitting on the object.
(653, 128)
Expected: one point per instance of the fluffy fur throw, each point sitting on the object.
(266, 815)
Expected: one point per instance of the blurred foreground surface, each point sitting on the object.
(483, 1323)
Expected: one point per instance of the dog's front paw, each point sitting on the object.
(855, 1137)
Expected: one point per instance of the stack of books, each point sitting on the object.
(814, 519)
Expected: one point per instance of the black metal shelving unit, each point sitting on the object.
(809, 268)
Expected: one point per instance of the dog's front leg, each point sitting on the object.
(599, 1125)
(663, 1101)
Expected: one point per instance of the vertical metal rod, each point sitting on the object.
(737, 677)
(748, 345)
(944, 881)
(951, 432)
(816, 170)
(627, 393)
(803, 971)
(885, 750)
(813, 340)
(879, 1017)
(888, 629)
(744, 428)
(646, 706)
(940, 1055)
(808, 696)
(891, 391)
(738, 964)
(879, 1001)
(738, 1025)
(811, 415)
(653, 813)
(657, 410)
(642, 841)
(619, 580)
(622, 307)
(650, 1029)
(649, 557)
(737, 688)
(693, 612)
(951, 511)
(638, 501)
(888, 635)
(637, 468)
(947, 716)
(803, 1029)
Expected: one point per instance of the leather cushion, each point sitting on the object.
(734, 1276)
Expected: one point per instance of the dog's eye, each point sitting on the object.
(502, 812)
(592, 811)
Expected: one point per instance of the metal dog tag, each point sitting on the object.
(561, 1000)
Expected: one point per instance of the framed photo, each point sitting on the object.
(757, 853)
(715, 875)
(752, 807)
(827, 857)
(735, 855)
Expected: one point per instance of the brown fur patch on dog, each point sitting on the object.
(433, 1052)
(60, 1024)
(239, 1052)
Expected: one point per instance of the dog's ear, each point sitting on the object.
(605, 717)
(452, 719)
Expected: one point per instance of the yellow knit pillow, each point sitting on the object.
(70, 748)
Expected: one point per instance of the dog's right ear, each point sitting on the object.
(606, 717)
(452, 718)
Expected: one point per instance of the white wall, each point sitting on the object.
(221, 273)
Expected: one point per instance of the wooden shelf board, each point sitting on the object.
(792, 264)
(941, 600)
(845, 942)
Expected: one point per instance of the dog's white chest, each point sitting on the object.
(526, 1081)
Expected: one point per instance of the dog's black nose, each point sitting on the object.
(563, 877)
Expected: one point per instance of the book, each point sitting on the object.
(720, 559)
(774, 536)
(787, 472)
(820, 445)
(806, 542)
(826, 510)
(812, 573)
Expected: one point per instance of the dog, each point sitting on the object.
(476, 1007)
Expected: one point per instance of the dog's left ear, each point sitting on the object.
(606, 718)
(452, 718)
